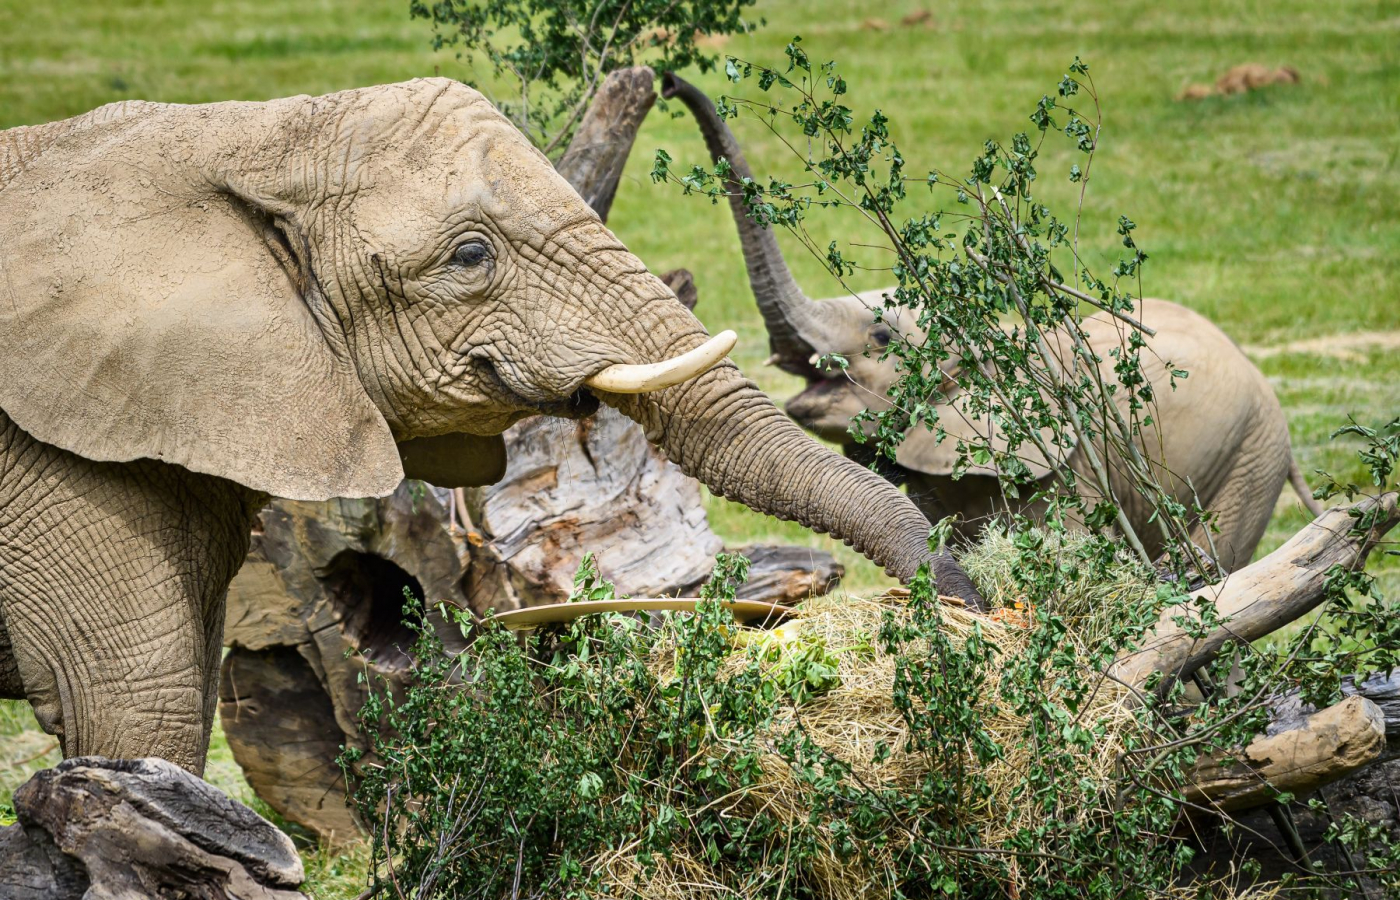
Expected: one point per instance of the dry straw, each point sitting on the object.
(858, 716)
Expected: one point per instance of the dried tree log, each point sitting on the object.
(1288, 711)
(575, 487)
(319, 602)
(600, 146)
(133, 829)
(1264, 596)
(1313, 752)
(281, 724)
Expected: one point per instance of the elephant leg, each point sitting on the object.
(1245, 501)
(112, 585)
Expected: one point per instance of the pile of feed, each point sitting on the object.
(852, 719)
(897, 745)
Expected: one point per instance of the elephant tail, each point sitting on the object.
(1300, 487)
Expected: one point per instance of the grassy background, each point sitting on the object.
(1277, 214)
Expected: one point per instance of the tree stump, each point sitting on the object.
(105, 829)
(317, 609)
(315, 614)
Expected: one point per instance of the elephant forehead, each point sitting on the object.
(473, 170)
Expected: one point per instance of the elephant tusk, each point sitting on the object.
(624, 379)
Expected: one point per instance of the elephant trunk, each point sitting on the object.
(795, 324)
(721, 429)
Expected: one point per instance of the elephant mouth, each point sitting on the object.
(819, 408)
(580, 403)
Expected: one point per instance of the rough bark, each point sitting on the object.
(281, 724)
(1371, 794)
(598, 152)
(1304, 756)
(1261, 598)
(320, 603)
(1382, 689)
(134, 829)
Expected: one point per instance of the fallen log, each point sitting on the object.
(1264, 596)
(1382, 689)
(1296, 758)
(133, 829)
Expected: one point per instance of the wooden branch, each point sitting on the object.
(119, 829)
(1288, 711)
(1264, 596)
(1314, 751)
(598, 152)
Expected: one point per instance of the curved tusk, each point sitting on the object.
(624, 379)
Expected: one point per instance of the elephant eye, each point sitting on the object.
(472, 253)
(880, 336)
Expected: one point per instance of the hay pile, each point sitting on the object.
(858, 715)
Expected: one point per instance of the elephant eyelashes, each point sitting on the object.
(472, 254)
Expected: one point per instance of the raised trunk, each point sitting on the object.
(792, 320)
(721, 429)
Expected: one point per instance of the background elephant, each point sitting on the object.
(208, 305)
(1219, 433)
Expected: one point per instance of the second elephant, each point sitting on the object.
(1219, 435)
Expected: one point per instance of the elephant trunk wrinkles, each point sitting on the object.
(795, 324)
(720, 429)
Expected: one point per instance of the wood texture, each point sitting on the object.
(282, 727)
(1319, 749)
(1262, 597)
(134, 829)
(1288, 711)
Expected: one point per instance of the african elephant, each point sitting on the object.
(1219, 432)
(204, 306)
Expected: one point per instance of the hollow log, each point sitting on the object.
(1264, 596)
(133, 829)
(281, 724)
(1302, 757)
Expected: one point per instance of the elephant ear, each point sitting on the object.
(148, 313)
(921, 451)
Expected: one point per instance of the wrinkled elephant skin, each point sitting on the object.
(204, 306)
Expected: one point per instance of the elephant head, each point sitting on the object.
(1218, 438)
(857, 327)
(304, 295)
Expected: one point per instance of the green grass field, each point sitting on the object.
(1276, 213)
